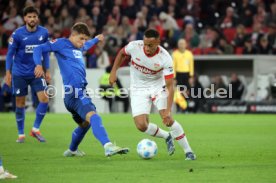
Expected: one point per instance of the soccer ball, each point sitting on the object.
(146, 149)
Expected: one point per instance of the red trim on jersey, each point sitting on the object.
(180, 137)
(124, 51)
(156, 52)
(143, 69)
(169, 76)
(156, 131)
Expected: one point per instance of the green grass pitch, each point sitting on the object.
(230, 148)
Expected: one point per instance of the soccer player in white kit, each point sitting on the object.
(152, 82)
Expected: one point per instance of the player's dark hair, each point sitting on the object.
(151, 33)
(30, 9)
(81, 28)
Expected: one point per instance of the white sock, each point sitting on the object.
(107, 144)
(155, 131)
(21, 135)
(1, 169)
(179, 135)
(35, 129)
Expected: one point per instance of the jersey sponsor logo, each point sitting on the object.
(170, 69)
(10, 40)
(30, 48)
(77, 53)
(53, 41)
(144, 70)
(40, 38)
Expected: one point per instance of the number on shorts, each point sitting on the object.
(43, 82)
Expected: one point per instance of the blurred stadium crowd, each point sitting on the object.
(213, 27)
(209, 27)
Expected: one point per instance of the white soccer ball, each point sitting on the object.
(146, 149)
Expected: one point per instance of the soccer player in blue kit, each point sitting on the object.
(20, 70)
(71, 64)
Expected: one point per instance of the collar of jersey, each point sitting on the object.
(157, 51)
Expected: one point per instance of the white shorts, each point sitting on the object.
(142, 100)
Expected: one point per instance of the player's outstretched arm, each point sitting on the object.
(92, 42)
(37, 54)
(116, 65)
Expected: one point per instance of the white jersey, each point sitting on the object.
(148, 71)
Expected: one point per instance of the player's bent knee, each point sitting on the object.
(42, 97)
(89, 115)
(142, 128)
(44, 100)
(168, 121)
(84, 124)
(20, 101)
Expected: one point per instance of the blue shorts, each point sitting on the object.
(79, 105)
(20, 84)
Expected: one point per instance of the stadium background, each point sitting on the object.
(219, 33)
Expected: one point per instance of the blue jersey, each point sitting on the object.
(70, 59)
(20, 52)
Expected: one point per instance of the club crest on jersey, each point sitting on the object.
(17, 91)
(77, 53)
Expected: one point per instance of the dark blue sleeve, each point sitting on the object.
(90, 43)
(13, 44)
(46, 59)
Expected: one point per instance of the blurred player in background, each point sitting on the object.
(76, 100)
(151, 73)
(5, 174)
(20, 70)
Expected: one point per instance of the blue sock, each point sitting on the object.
(40, 113)
(98, 129)
(20, 118)
(77, 137)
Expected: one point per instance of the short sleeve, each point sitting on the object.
(128, 49)
(168, 68)
(55, 44)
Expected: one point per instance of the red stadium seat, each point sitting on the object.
(239, 50)
(3, 51)
(65, 33)
(197, 51)
(180, 22)
(248, 30)
(229, 34)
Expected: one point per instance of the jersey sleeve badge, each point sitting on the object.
(10, 40)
